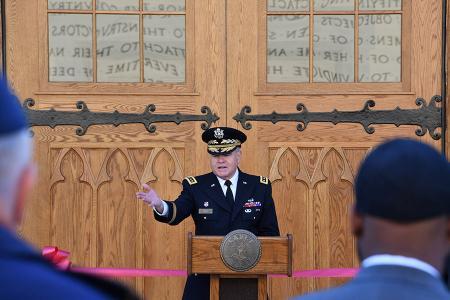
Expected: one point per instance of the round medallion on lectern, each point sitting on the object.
(240, 250)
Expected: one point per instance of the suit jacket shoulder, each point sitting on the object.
(387, 283)
(260, 181)
(200, 180)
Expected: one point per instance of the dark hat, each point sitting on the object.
(12, 116)
(403, 181)
(223, 140)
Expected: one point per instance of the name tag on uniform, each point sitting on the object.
(205, 211)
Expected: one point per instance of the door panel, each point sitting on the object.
(313, 171)
(84, 200)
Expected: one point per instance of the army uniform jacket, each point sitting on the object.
(203, 199)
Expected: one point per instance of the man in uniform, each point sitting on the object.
(219, 202)
(402, 224)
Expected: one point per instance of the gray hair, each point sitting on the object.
(15, 155)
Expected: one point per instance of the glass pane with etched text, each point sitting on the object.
(164, 5)
(331, 5)
(70, 47)
(164, 49)
(117, 4)
(380, 46)
(288, 48)
(288, 5)
(333, 48)
(118, 58)
(380, 4)
(69, 4)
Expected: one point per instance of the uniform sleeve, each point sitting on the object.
(179, 209)
(268, 225)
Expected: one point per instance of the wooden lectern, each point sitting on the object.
(204, 258)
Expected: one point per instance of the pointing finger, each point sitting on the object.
(146, 187)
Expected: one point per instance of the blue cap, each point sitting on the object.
(12, 116)
(404, 181)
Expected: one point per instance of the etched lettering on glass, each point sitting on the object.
(333, 48)
(70, 47)
(288, 48)
(380, 4)
(164, 5)
(330, 5)
(288, 5)
(117, 4)
(380, 43)
(118, 48)
(70, 4)
(164, 49)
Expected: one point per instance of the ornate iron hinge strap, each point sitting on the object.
(85, 118)
(427, 117)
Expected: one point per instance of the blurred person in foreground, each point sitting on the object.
(24, 273)
(401, 223)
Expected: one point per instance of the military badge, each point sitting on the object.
(191, 180)
(252, 204)
(218, 133)
(263, 180)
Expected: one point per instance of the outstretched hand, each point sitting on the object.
(150, 197)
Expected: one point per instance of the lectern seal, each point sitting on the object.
(240, 250)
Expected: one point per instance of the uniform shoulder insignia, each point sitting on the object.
(191, 180)
(263, 180)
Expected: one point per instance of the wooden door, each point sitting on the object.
(84, 201)
(313, 171)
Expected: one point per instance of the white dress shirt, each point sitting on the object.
(398, 260)
(233, 186)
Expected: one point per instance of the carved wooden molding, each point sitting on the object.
(148, 171)
(95, 180)
(317, 173)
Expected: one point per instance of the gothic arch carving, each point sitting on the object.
(317, 175)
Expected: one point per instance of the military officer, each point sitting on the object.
(219, 202)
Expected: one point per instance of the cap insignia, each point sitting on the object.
(218, 133)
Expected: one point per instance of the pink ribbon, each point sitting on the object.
(122, 272)
(319, 273)
(117, 272)
(60, 259)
